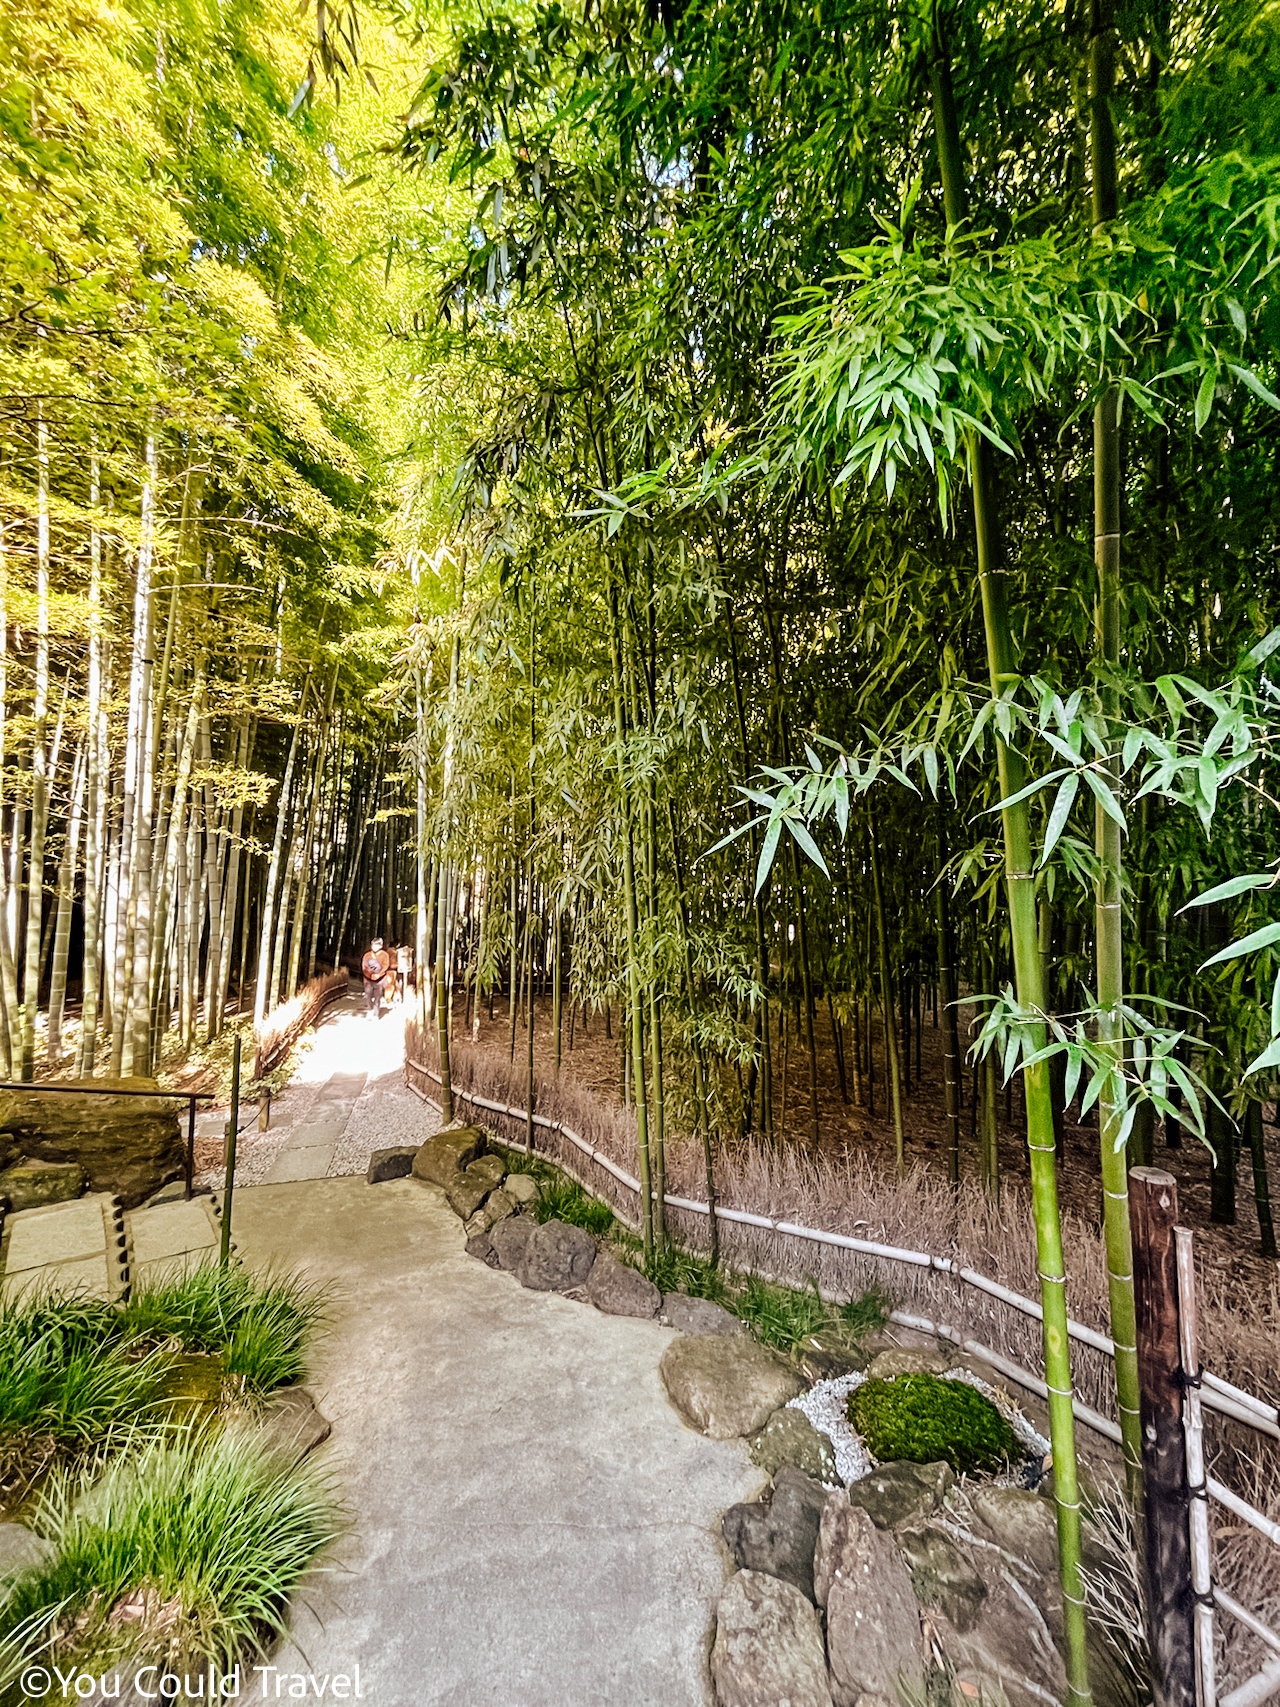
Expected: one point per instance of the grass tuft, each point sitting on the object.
(564, 1200)
(260, 1324)
(184, 1552)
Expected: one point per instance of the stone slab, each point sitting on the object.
(173, 1230)
(311, 1161)
(92, 1276)
(57, 1233)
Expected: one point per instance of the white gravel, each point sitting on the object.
(826, 1406)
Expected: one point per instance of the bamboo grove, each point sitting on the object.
(744, 523)
(192, 502)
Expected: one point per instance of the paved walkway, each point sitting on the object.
(534, 1527)
(346, 1098)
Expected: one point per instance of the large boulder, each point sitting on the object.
(441, 1159)
(768, 1646)
(778, 1536)
(901, 1492)
(558, 1257)
(1008, 1645)
(127, 1145)
(617, 1289)
(830, 1353)
(697, 1316)
(873, 1624)
(1020, 1523)
(790, 1438)
(725, 1387)
(467, 1191)
(30, 1185)
(395, 1163)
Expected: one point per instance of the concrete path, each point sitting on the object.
(533, 1526)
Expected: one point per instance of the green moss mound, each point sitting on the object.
(925, 1419)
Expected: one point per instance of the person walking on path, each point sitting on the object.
(375, 966)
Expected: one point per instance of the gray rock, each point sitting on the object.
(725, 1387)
(829, 1353)
(790, 1438)
(127, 1145)
(910, 1360)
(768, 1646)
(29, 1185)
(480, 1245)
(941, 1575)
(523, 1188)
(873, 1623)
(700, 1316)
(291, 1424)
(466, 1192)
(898, 1492)
(557, 1258)
(778, 1536)
(1020, 1522)
(395, 1163)
(510, 1240)
(620, 1290)
(445, 1156)
(1009, 1646)
(488, 1168)
(20, 1550)
(496, 1207)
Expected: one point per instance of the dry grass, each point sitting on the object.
(845, 1191)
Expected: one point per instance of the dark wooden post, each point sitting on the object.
(1153, 1210)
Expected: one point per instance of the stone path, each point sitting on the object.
(532, 1524)
(346, 1098)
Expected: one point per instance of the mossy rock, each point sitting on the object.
(924, 1419)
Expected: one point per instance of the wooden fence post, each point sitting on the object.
(1153, 1210)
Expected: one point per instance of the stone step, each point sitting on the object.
(77, 1246)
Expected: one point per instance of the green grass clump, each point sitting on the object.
(564, 1200)
(866, 1314)
(925, 1419)
(260, 1324)
(68, 1381)
(780, 1316)
(184, 1551)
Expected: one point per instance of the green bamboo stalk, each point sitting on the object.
(1020, 885)
(886, 999)
(636, 1056)
(1108, 914)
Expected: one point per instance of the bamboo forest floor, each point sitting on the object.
(1230, 1254)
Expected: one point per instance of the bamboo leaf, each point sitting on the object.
(1233, 886)
(1062, 805)
(807, 844)
(767, 850)
(1250, 944)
